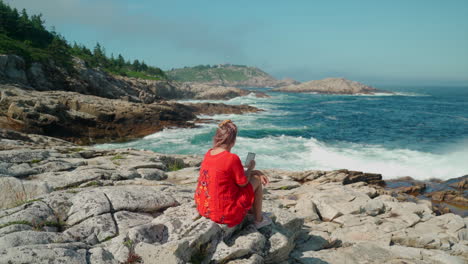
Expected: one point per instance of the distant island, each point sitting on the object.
(330, 86)
(227, 75)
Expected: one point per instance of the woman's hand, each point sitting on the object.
(262, 177)
(251, 165)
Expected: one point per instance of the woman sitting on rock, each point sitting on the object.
(225, 193)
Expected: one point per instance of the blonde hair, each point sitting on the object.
(225, 134)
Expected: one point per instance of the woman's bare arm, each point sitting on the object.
(248, 172)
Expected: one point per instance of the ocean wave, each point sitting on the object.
(297, 153)
(390, 94)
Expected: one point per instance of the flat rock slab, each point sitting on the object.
(138, 198)
(23, 155)
(126, 220)
(28, 238)
(152, 174)
(93, 230)
(32, 213)
(15, 191)
(248, 241)
(73, 253)
(62, 180)
(86, 204)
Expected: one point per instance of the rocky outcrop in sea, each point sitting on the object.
(88, 119)
(330, 86)
(63, 203)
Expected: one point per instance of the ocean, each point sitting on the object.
(420, 132)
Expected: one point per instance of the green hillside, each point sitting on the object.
(26, 36)
(208, 73)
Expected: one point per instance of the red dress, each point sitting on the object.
(218, 195)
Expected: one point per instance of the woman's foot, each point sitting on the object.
(265, 222)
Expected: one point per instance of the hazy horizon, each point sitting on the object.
(391, 43)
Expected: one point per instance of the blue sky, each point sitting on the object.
(377, 42)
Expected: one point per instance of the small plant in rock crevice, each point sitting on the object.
(132, 257)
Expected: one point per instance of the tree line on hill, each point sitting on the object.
(25, 35)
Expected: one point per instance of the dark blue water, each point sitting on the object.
(422, 119)
(420, 132)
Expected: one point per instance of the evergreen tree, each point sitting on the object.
(120, 61)
(136, 65)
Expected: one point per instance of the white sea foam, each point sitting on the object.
(298, 153)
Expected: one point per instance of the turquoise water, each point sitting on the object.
(418, 132)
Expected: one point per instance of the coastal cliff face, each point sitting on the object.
(76, 204)
(330, 86)
(93, 81)
(87, 119)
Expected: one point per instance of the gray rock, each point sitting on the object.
(34, 213)
(283, 185)
(21, 170)
(14, 228)
(60, 180)
(99, 255)
(86, 204)
(23, 155)
(58, 165)
(184, 174)
(248, 241)
(138, 198)
(12, 67)
(145, 165)
(15, 191)
(170, 253)
(254, 259)
(374, 207)
(280, 247)
(23, 238)
(60, 202)
(93, 230)
(152, 174)
(70, 253)
(149, 233)
(330, 86)
(306, 209)
(126, 220)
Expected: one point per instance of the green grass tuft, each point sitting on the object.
(15, 223)
(117, 157)
(19, 203)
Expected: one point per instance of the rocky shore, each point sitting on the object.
(94, 81)
(69, 204)
(330, 86)
(86, 119)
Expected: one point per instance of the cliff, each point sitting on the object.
(227, 75)
(330, 86)
(95, 81)
(88, 119)
(64, 203)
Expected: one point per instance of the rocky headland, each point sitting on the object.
(89, 105)
(228, 75)
(95, 81)
(330, 86)
(88, 119)
(63, 203)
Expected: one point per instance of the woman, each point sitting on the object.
(225, 193)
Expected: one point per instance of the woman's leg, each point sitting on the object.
(258, 190)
